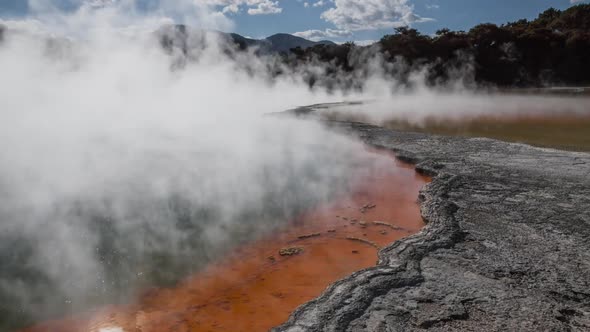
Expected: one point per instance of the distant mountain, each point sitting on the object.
(280, 42)
(283, 42)
(244, 42)
(184, 37)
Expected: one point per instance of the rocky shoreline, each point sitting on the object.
(506, 247)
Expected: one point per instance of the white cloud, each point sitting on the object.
(100, 3)
(264, 7)
(214, 7)
(231, 9)
(432, 6)
(317, 3)
(357, 15)
(316, 35)
(252, 7)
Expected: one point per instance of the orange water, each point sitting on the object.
(255, 288)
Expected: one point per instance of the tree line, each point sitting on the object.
(553, 49)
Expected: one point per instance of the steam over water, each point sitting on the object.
(121, 169)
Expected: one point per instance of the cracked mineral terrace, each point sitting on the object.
(506, 247)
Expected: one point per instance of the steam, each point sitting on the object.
(126, 164)
(421, 105)
(122, 170)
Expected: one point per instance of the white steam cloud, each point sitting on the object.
(121, 168)
(419, 106)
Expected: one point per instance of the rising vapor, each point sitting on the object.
(121, 169)
(135, 152)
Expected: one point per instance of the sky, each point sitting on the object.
(338, 20)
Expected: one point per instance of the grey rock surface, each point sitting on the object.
(506, 246)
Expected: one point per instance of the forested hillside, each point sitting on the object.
(553, 49)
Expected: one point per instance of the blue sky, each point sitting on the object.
(342, 20)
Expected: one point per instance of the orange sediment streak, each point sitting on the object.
(255, 288)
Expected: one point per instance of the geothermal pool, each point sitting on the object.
(258, 285)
